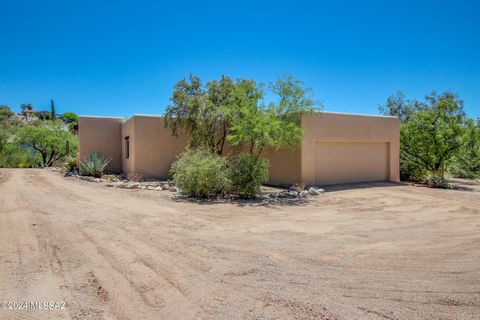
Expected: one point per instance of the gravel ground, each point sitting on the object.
(376, 251)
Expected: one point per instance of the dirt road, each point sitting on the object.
(384, 252)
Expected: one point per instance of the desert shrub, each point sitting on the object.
(437, 181)
(247, 174)
(14, 155)
(201, 173)
(459, 170)
(94, 165)
(466, 163)
(411, 171)
(71, 164)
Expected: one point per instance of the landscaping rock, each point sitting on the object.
(158, 189)
(315, 191)
(292, 194)
(118, 184)
(150, 187)
(165, 186)
(288, 194)
(303, 194)
(173, 189)
(134, 185)
(295, 188)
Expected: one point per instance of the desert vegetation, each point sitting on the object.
(233, 113)
(35, 138)
(436, 138)
(94, 165)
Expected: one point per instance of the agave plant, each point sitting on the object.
(71, 164)
(94, 165)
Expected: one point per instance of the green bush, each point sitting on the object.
(14, 155)
(437, 181)
(201, 174)
(71, 164)
(248, 173)
(411, 171)
(94, 165)
(466, 163)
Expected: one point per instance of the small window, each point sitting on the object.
(127, 147)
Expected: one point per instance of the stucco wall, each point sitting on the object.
(155, 147)
(285, 166)
(101, 134)
(333, 127)
(128, 131)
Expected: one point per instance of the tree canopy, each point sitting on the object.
(433, 135)
(466, 163)
(399, 106)
(5, 113)
(258, 124)
(48, 139)
(70, 117)
(235, 111)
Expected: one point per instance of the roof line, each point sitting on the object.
(101, 117)
(357, 114)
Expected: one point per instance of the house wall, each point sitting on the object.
(285, 166)
(101, 134)
(128, 165)
(335, 127)
(155, 148)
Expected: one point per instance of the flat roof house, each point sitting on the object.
(336, 148)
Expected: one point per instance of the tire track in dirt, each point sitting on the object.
(397, 251)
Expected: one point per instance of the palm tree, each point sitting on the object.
(25, 108)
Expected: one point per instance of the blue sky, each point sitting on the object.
(123, 57)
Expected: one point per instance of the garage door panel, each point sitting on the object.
(348, 162)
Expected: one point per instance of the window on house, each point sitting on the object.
(127, 147)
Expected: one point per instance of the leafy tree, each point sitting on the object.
(274, 124)
(235, 112)
(5, 128)
(467, 162)
(4, 135)
(70, 117)
(5, 112)
(433, 135)
(25, 108)
(203, 111)
(49, 140)
(399, 106)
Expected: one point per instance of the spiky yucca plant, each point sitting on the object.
(71, 164)
(94, 165)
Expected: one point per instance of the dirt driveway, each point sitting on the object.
(383, 252)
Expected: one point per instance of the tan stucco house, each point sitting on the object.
(336, 148)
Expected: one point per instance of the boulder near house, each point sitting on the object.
(336, 148)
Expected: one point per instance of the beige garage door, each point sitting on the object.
(347, 162)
